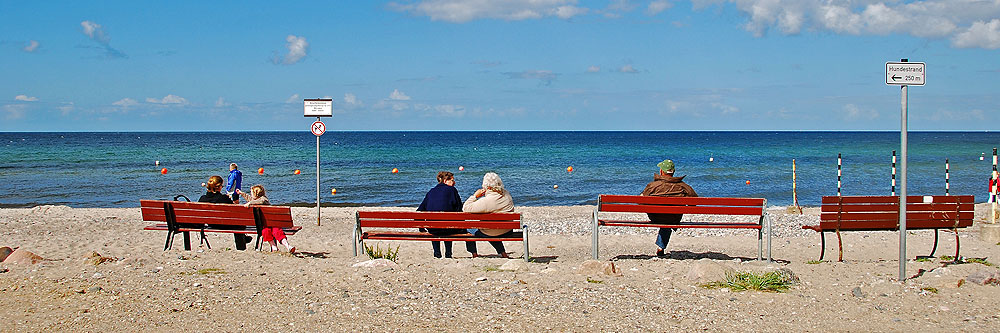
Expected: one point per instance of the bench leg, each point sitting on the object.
(760, 244)
(594, 244)
(822, 245)
(187, 241)
(934, 249)
(170, 237)
(958, 245)
(840, 247)
(770, 230)
(524, 231)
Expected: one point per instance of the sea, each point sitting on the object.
(116, 169)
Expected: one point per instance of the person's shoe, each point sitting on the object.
(249, 239)
(291, 250)
(504, 255)
(437, 255)
(447, 255)
(660, 254)
(475, 255)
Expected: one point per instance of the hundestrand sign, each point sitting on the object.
(904, 73)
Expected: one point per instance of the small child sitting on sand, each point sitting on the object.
(271, 235)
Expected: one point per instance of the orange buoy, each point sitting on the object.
(260, 171)
(569, 168)
(163, 171)
(297, 171)
(461, 168)
(394, 170)
(748, 182)
(333, 191)
(555, 186)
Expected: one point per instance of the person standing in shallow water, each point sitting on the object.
(442, 198)
(234, 184)
(664, 184)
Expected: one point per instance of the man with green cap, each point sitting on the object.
(664, 184)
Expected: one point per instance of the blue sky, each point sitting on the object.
(496, 65)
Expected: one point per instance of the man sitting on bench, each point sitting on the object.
(214, 195)
(665, 184)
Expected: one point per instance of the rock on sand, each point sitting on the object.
(4, 252)
(599, 267)
(22, 256)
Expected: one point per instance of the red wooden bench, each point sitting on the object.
(444, 220)
(754, 207)
(179, 217)
(873, 213)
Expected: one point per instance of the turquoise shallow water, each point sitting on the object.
(117, 169)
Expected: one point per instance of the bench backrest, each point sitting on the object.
(209, 213)
(444, 220)
(681, 205)
(882, 212)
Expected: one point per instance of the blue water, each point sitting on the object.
(117, 169)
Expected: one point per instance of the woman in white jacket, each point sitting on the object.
(491, 198)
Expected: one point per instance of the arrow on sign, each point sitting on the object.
(896, 77)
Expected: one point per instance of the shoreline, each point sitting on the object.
(142, 287)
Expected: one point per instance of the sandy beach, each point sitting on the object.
(135, 286)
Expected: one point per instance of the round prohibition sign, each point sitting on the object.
(318, 128)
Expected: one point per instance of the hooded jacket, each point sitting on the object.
(667, 186)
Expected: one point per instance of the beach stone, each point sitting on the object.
(514, 265)
(706, 270)
(857, 292)
(984, 277)
(95, 258)
(376, 263)
(22, 256)
(4, 252)
(599, 267)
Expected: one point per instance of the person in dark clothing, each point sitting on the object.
(442, 198)
(664, 184)
(214, 195)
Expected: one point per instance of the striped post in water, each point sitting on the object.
(993, 203)
(893, 173)
(838, 174)
(947, 186)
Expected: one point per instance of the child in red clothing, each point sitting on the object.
(270, 234)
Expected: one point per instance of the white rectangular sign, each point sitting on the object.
(318, 107)
(904, 73)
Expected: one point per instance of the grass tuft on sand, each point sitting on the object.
(773, 281)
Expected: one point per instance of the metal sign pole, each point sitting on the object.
(317, 176)
(902, 191)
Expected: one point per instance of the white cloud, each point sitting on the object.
(968, 23)
(31, 47)
(459, 11)
(25, 98)
(66, 108)
(125, 103)
(397, 95)
(593, 69)
(169, 99)
(853, 112)
(297, 49)
(14, 111)
(657, 6)
(980, 34)
(450, 110)
(628, 69)
(96, 33)
(352, 100)
(544, 76)
(293, 99)
(221, 103)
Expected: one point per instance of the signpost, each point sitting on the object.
(903, 73)
(318, 107)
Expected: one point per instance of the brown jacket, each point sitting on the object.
(667, 186)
